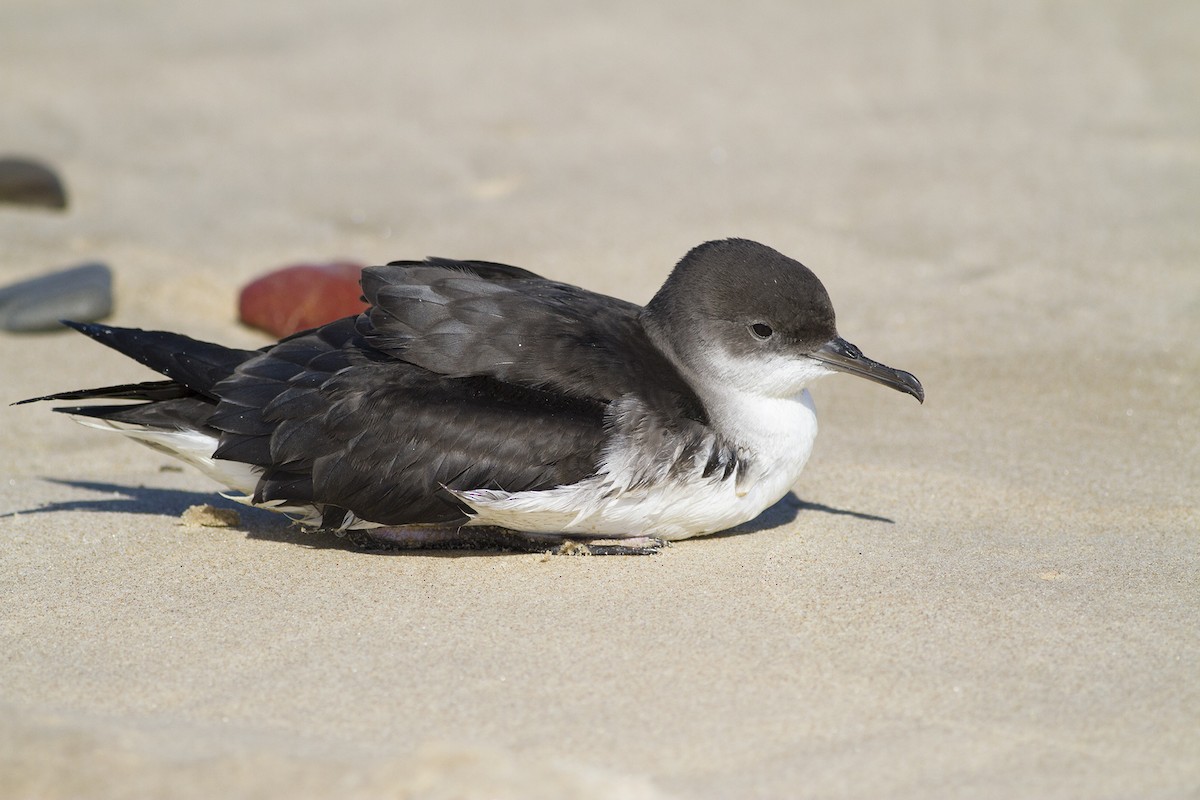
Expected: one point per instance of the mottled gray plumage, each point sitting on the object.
(465, 377)
(462, 375)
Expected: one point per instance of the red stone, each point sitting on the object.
(302, 296)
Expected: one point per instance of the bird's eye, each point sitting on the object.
(761, 331)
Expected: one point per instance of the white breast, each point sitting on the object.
(774, 437)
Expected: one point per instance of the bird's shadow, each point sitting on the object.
(261, 524)
(256, 523)
(788, 508)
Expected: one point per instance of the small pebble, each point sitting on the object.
(81, 294)
(302, 296)
(30, 183)
(206, 516)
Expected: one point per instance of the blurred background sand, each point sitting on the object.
(994, 595)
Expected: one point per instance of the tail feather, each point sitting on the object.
(182, 414)
(183, 402)
(148, 391)
(192, 363)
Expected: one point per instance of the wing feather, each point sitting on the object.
(460, 376)
(383, 438)
(525, 331)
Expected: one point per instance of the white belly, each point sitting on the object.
(776, 439)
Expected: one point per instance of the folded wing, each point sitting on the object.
(452, 319)
(462, 375)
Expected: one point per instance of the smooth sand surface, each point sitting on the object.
(995, 595)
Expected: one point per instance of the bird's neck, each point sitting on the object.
(775, 431)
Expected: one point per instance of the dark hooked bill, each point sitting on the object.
(839, 354)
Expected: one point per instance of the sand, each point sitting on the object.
(994, 595)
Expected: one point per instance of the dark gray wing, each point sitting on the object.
(477, 318)
(488, 270)
(338, 424)
(462, 375)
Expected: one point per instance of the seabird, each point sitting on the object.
(477, 395)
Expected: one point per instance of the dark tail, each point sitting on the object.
(193, 367)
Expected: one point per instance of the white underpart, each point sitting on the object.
(196, 448)
(770, 419)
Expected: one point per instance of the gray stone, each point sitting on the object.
(30, 183)
(82, 294)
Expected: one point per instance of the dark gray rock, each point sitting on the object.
(30, 183)
(82, 294)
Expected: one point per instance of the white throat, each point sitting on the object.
(775, 430)
(762, 407)
(760, 404)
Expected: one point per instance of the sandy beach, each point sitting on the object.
(993, 595)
